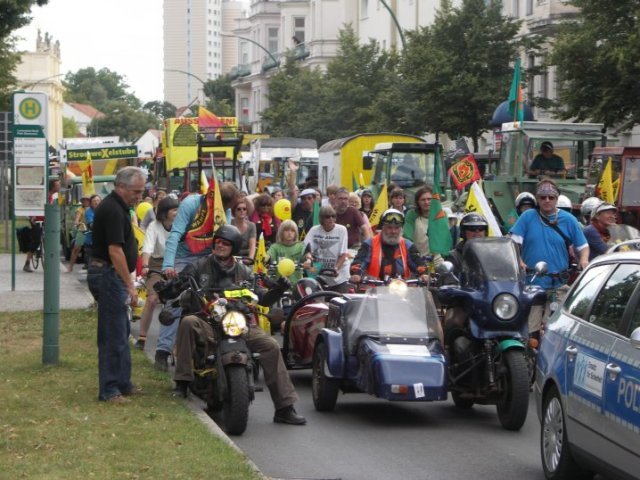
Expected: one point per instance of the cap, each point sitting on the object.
(603, 207)
(366, 191)
(308, 191)
(546, 145)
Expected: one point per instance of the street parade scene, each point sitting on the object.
(377, 267)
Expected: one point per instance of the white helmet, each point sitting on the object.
(525, 198)
(587, 207)
(564, 203)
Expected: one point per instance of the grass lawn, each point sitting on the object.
(20, 222)
(53, 427)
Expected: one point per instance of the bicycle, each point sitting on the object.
(38, 255)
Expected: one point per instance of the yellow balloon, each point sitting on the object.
(142, 209)
(286, 267)
(282, 209)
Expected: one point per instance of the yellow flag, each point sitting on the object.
(382, 204)
(477, 202)
(261, 253)
(605, 187)
(88, 187)
(139, 234)
(219, 215)
(204, 183)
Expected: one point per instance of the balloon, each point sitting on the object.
(282, 209)
(142, 209)
(286, 267)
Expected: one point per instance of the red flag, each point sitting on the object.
(199, 235)
(207, 119)
(464, 172)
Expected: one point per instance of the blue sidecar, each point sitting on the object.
(386, 342)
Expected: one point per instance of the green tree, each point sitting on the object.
(160, 109)
(221, 98)
(456, 71)
(69, 128)
(98, 88)
(124, 121)
(14, 14)
(597, 59)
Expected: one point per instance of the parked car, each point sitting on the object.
(587, 388)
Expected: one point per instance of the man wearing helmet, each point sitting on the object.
(586, 209)
(220, 270)
(597, 233)
(472, 225)
(388, 254)
(547, 163)
(524, 202)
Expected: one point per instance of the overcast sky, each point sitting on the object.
(124, 36)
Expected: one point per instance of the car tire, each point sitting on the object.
(324, 390)
(557, 461)
(513, 405)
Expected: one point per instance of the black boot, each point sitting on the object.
(182, 388)
(289, 415)
(161, 360)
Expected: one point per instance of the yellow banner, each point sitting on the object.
(259, 265)
(88, 188)
(382, 204)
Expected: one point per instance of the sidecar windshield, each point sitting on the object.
(489, 259)
(381, 312)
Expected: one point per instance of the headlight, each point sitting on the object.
(234, 324)
(398, 287)
(505, 306)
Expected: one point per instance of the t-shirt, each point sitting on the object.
(112, 226)
(247, 235)
(295, 252)
(303, 219)
(353, 221)
(553, 163)
(327, 247)
(155, 239)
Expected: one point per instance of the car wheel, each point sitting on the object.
(557, 461)
(324, 389)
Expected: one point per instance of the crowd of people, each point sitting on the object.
(340, 238)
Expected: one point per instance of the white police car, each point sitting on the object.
(587, 387)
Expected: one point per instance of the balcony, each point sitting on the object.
(244, 70)
(301, 51)
(233, 73)
(268, 62)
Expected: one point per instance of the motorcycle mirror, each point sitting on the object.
(541, 268)
(444, 267)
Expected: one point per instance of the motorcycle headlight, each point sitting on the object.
(398, 287)
(234, 324)
(505, 306)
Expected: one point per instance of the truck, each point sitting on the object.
(507, 176)
(344, 161)
(184, 146)
(270, 162)
(625, 174)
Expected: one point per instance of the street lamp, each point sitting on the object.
(189, 74)
(42, 80)
(273, 59)
(395, 20)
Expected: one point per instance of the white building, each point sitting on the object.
(82, 114)
(194, 49)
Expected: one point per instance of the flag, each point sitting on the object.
(261, 253)
(139, 234)
(207, 119)
(354, 184)
(516, 98)
(86, 168)
(464, 172)
(315, 216)
(606, 190)
(477, 202)
(512, 218)
(382, 204)
(209, 216)
(361, 177)
(204, 183)
(438, 230)
(220, 216)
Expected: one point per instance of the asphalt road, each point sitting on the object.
(368, 438)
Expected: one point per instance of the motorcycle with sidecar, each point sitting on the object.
(487, 356)
(385, 342)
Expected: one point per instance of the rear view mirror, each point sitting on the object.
(367, 162)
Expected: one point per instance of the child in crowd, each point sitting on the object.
(287, 246)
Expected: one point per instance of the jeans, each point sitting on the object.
(167, 333)
(114, 354)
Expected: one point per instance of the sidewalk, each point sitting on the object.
(29, 287)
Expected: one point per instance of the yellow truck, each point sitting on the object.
(347, 160)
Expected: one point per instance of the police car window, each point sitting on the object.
(578, 302)
(611, 303)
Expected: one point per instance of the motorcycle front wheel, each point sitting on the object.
(236, 403)
(513, 404)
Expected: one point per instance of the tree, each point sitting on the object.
(69, 128)
(124, 121)
(221, 98)
(160, 109)
(456, 71)
(597, 60)
(14, 15)
(98, 88)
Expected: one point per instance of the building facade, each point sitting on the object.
(195, 49)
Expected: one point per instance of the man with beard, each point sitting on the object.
(388, 254)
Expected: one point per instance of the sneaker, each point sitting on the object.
(117, 399)
(181, 389)
(289, 415)
(161, 359)
(134, 391)
(27, 268)
(139, 343)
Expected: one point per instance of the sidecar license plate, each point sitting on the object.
(401, 349)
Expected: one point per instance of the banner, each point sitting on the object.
(382, 204)
(261, 253)
(477, 202)
(464, 172)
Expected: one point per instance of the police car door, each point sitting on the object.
(621, 420)
(585, 356)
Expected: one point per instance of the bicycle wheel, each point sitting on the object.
(35, 259)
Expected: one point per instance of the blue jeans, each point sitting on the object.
(167, 333)
(114, 354)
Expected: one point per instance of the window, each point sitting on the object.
(529, 7)
(580, 299)
(611, 303)
(272, 39)
(298, 29)
(515, 8)
(364, 8)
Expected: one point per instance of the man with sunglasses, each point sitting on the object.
(547, 163)
(221, 270)
(472, 225)
(388, 254)
(551, 235)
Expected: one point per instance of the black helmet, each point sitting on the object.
(230, 234)
(164, 205)
(473, 220)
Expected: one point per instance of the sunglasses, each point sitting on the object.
(547, 197)
(476, 229)
(241, 209)
(223, 242)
